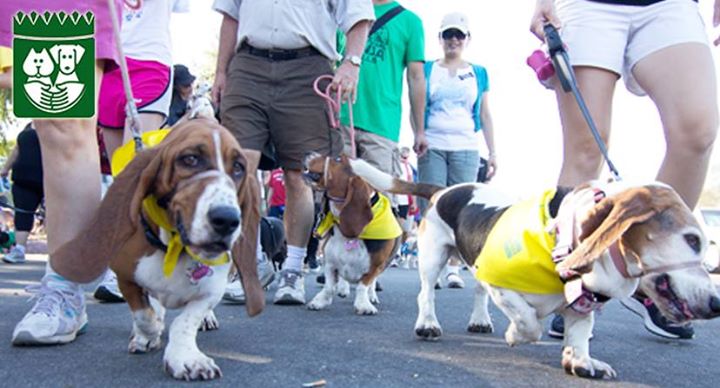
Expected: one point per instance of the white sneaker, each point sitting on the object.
(291, 289)
(57, 317)
(15, 256)
(454, 280)
(234, 291)
(108, 290)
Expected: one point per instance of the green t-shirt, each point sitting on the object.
(387, 53)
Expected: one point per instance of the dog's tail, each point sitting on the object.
(387, 183)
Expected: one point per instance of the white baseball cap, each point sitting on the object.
(455, 20)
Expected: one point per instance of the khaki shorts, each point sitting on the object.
(382, 153)
(272, 103)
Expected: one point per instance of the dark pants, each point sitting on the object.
(27, 198)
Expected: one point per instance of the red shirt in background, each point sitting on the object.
(277, 184)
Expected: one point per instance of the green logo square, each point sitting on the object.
(54, 65)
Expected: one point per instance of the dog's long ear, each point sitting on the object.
(356, 213)
(606, 223)
(79, 52)
(112, 224)
(244, 250)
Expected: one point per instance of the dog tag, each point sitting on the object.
(352, 244)
(198, 271)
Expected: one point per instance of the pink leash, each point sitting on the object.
(334, 108)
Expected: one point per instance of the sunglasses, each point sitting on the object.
(453, 33)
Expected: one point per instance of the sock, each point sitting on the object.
(454, 269)
(295, 258)
(57, 281)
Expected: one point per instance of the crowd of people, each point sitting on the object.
(267, 61)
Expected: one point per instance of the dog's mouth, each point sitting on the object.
(678, 309)
(210, 250)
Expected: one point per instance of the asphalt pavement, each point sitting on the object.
(288, 346)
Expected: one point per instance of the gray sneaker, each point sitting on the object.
(15, 256)
(291, 289)
(57, 317)
(108, 291)
(235, 293)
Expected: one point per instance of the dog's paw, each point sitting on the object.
(190, 365)
(374, 298)
(480, 327)
(365, 308)
(428, 331)
(209, 322)
(586, 367)
(342, 288)
(319, 302)
(140, 344)
(525, 334)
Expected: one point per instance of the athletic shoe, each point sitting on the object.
(654, 321)
(234, 291)
(108, 290)
(15, 256)
(57, 317)
(291, 289)
(557, 327)
(454, 280)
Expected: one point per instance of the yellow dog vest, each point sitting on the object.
(383, 226)
(121, 158)
(517, 253)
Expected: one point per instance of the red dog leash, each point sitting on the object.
(334, 108)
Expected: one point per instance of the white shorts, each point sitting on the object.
(616, 37)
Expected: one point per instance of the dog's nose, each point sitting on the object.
(715, 305)
(224, 219)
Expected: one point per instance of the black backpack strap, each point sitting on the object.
(385, 18)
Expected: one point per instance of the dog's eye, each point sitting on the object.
(190, 160)
(238, 170)
(693, 241)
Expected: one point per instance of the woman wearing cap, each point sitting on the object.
(456, 109)
(182, 90)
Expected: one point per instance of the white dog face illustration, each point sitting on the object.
(38, 64)
(67, 56)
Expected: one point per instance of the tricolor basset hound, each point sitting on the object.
(169, 224)
(565, 252)
(363, 230)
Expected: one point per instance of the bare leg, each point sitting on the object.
(681, 81)
(21, 237)
(582, 160)
(298, 209)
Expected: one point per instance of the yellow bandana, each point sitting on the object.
(517, 253)
(383, 226)
(175, 246)
(123, 155)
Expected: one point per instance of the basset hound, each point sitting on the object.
(363, 231)
(565, 251)
(170, 223)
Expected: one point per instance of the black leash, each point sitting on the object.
(566, 75)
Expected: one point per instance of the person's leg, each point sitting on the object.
(298, 217)
(582, 160)
(680, 79)
(432, 168)
(26, 198)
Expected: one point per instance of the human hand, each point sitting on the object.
(544, 14)
(346, 79)
(491, 167)
(421, 144)
(218, 88)
(716, 20)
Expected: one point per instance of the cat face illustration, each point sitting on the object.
(38, 64)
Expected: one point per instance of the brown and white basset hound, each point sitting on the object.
(603, 240)
(169, 224)
(363, 231)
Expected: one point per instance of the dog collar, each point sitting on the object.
(175, 246)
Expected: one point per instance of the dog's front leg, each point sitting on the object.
(576, 351)
(183, 360)
(148, 321)
(324, 298)
(480, 321)
(363, 305)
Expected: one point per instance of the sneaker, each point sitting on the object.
(291, 289)
(108, 290)
(15, 256)
(557, 327)
(57, 317)
(454, 280)
(654, 321)
(313, 265)
(234, 291)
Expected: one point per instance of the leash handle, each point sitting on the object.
(566, 75)
(130, 108)
(334, 105)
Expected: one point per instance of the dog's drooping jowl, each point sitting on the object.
(172, 223)
(565, 251)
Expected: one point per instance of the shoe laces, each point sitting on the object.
(289, 279)
(47, 300)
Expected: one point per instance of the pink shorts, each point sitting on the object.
(104, 38)
(150, 82)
